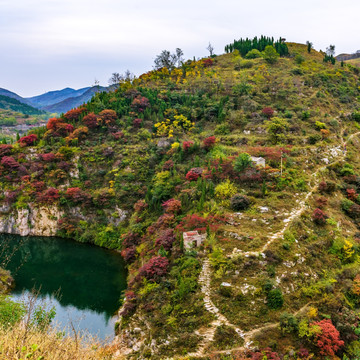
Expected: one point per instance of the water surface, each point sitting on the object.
(83, 282)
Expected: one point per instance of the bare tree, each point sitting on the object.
(115, 79)
(128, 75)
(330, 51)
(210, 48)
(168, 60)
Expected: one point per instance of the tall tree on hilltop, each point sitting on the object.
(309, 46)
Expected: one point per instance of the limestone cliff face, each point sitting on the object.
(40, 221)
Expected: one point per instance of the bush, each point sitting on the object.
(186, 145)
(225, 190)
(28, 140)
(288, 323)
(270, 54)
(239, 202)
(319, 216)
(268, 112)
(209, 142)
(222, 129)
(155, 268)
(10, 312)
(253, 54)
(172, 206)
(328, 340)
(242, 162)
(165, 239)
(299, 59)
(275, 299)
(193, 174)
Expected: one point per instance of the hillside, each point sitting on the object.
(259, 154)
(13, 95)
(54, 97)
(10, 103)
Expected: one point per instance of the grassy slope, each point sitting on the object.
(225, 99)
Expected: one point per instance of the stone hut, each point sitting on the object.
(193, 239)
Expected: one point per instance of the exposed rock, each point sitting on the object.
(40, 221)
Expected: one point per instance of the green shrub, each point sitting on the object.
(270, 54)
(239, 202)
(299, 59)
(253, 54)
(242, 162)
(288, 323)
(222, 129)
(275, 299)
(10, 312)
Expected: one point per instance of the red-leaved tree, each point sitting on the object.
(319, 216)
(172, 206)
(5, 150)
(328, 340)
(27, 140)
(209, 142)
(268, 111)
(155, 268)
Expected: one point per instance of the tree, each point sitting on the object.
(270, 54)
(276, 128)
(309, 46)
(330, 51)
(116, 79)
(328, 340)
(210, 48)
(168, 60)
(242, 162)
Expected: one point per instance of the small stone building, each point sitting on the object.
(193, 239)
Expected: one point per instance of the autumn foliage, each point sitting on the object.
(155, 268)
(74, 114)
(209, 142)
(28, 140)
(328, 340)
(48, 196)
(268, 112)
(319, 217)
(172, 206)
(90, 120)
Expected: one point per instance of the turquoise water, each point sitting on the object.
(83, 282)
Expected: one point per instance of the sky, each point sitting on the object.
(52, 44)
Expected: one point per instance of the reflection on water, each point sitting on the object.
(87, 281)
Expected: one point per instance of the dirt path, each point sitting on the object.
(205, 275)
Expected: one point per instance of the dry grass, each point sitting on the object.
(16, 343)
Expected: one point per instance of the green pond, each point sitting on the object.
(83, 282)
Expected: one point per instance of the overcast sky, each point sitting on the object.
(53, 44)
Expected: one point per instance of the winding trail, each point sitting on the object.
(205, 275)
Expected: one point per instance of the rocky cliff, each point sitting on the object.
(41, 221)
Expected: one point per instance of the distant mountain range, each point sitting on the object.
(54, 97)
(58, 101)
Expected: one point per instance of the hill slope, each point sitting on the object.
(176, 152)
(13, 95)
(10, 103)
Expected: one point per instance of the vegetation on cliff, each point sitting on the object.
(175, 150)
